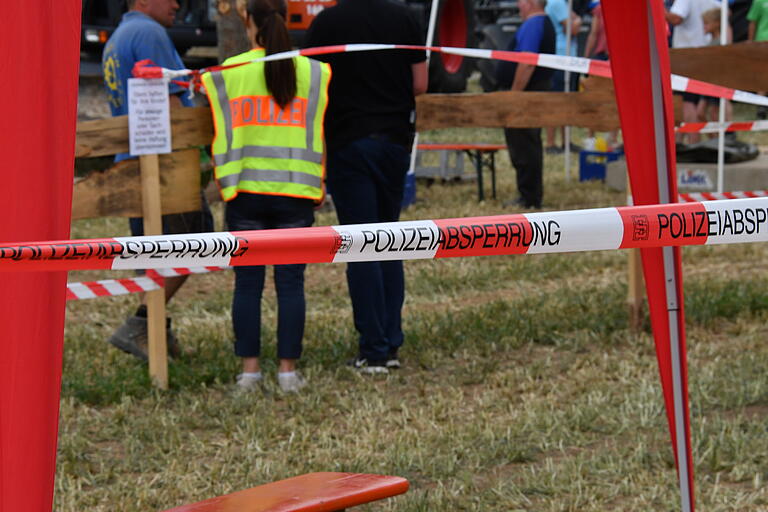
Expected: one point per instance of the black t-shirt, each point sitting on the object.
(371, 91)
(537, 35)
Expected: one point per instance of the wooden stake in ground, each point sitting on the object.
(157, 350)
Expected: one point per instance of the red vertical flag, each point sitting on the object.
(38, 104)
(637, 41)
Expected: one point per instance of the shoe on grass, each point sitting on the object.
(393, 361)
(131, 337)
(247, 383)
(368, 366)
(554, 150)
(291, 382)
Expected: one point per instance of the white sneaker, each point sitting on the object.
(291, 382)
(248, 382)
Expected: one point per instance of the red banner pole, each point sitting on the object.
(637, 40)
(38, 101)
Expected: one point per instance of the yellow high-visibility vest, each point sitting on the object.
(258, 147)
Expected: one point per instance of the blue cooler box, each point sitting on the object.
(592, 164)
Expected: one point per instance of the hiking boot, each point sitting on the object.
(131, 337)
(368, 367)
(291, 382)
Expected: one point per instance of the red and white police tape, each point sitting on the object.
(693, 197)
(153, 280)
(733, 126)
(146, 69)
(713, 222)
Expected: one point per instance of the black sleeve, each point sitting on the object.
(416, 35)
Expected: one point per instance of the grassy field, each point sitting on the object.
(523, 388)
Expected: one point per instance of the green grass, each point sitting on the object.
(523, 388)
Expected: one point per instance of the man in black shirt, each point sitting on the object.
(537, 35)
(369, 129)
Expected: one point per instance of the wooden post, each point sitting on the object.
(157, 344)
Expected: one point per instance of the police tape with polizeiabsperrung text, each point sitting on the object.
(695, 223)
(115, 287)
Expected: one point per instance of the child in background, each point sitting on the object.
(709, 107)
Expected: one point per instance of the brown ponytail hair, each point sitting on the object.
(269, 18)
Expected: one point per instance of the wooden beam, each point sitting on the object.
(740, 65)
(104, 137)
(116, 192)
(514, 109)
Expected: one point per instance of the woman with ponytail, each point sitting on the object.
(270, 168)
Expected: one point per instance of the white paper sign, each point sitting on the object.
(149, 120)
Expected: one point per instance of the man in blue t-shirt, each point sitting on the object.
(142, 35)
(536, 35)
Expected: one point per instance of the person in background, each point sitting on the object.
(709, 106)
(142, 35)
(758, 21)
(269, 156)
(597, 42)
(370, 128)
(561, 16)
(688, 32)
(536, 34)
(758, 31)
(597, 48)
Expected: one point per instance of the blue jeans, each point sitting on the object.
(257, 211)
(366, 179)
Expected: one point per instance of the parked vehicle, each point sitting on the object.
(195, 24)
(460, 23)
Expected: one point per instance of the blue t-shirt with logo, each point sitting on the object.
(138, 37)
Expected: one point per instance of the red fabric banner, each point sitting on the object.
(637, 40)
(38, 101)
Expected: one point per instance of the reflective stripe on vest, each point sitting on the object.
(247, 178)
(268, 175)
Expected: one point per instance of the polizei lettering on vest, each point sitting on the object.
(509, 234)
(196, 248)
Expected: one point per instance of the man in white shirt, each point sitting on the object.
(685, 17)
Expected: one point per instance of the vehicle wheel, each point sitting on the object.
(455, 27)
(492, 37)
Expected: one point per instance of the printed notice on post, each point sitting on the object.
(149, 121)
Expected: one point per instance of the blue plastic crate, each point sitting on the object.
(592, 164)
